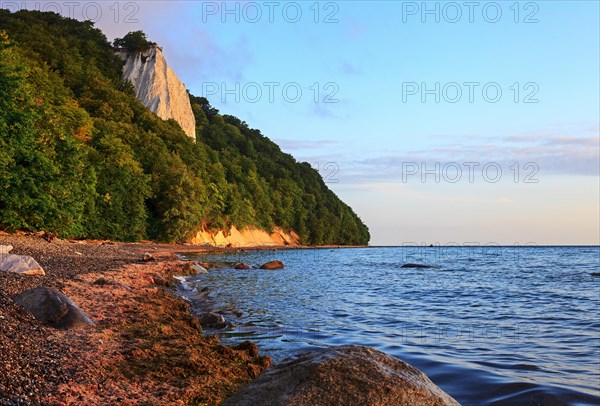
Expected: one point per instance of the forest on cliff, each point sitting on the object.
(81, 157)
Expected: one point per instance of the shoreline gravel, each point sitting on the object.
(146, 347)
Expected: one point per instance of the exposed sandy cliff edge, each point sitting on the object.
(248, 237)
(158, 87)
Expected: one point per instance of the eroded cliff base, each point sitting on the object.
(246, 238)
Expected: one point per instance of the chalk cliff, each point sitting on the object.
(158, 87)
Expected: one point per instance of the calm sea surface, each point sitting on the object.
(495, 325)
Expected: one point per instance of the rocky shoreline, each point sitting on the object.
(143, 345)
(145, 348)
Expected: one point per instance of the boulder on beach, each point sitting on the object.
(347, 375)
(419, 266)
(52, 308)
(21, 264)
(273, 265)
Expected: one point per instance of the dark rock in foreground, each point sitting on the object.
(273, 265)
(53, 308)
(420, 266)
(596, 274)
(348, 375)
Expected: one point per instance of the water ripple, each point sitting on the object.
(493, 326)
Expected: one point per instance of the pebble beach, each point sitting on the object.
(144, 348)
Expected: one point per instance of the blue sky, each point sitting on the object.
(377, 57)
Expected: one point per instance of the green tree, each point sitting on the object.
(81, 156)
(44, 181)
(134, 41)
(122, 188)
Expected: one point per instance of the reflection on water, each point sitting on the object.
(493, 325)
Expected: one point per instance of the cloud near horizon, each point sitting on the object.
(555, 155)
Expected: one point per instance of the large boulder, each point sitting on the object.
(347, 375)
(53, 308)
(273, 265)
(21, 264)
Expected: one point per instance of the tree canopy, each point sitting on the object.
(81, 157)
(134, 41)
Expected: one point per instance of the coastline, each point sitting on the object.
(146, 346)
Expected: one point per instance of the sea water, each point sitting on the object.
(489, 325)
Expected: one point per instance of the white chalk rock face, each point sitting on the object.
(159, 88)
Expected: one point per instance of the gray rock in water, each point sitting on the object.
(420, 266)
(199, 269)
(53, 308)
(21, 264)
(213, 320)
(348, 375)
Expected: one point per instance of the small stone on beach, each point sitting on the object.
(147, 257)
(104, 281)
(5, 249)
